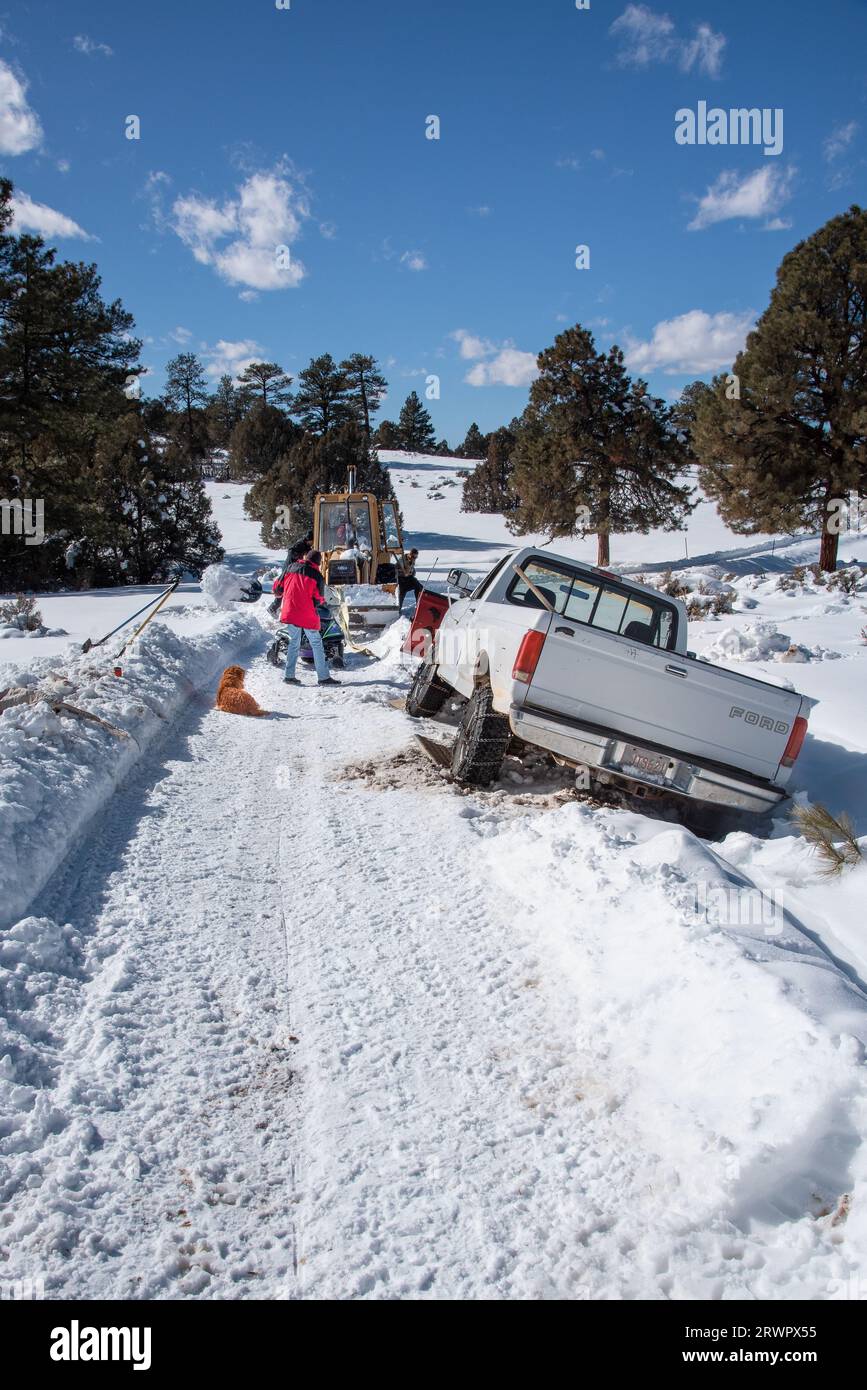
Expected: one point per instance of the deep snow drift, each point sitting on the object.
(278, 1029)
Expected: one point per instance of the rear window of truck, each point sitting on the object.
(582, 599)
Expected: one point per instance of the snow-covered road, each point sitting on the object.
(308, 1033)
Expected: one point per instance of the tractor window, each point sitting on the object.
(359, 527)
(390, 526)
(332, 526)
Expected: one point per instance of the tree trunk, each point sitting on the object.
(603, 549)
(828, 551)
(830, 539)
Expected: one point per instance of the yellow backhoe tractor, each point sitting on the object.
(362, 549)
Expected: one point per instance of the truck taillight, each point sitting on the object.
(796, 742)
(528, 656)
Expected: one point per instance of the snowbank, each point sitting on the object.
(389, 647)
(222, 586)
(763, 642)
(732, 1041)
(58, 769)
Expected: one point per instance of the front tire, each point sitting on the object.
(428, 693)
(482, 740)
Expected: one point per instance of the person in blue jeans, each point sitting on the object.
(302, 586)
(320, 661)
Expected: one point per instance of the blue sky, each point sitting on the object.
(305, 128)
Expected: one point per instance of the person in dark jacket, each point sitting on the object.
(297, 550)
(303, 588)
(406, 580)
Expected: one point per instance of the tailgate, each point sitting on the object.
(660, 697)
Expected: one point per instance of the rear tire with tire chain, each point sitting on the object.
(428, 693)
(482, 740)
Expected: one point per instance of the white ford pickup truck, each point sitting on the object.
(595, 669)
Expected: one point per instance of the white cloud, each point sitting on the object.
(753, 195)
(20, 130)
(777, 224)
(839, 140)
(692, 342)
(704, 52)
(200, 222)
(413, 260)
(647, 37)
(498, 365)
(180, 335)
(154, 191)
(28, 216)
(228, 358)
(90, 46)
(483, 211)
(471, 346)
(509, 368)
(257, 229)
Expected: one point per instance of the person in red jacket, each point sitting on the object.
(303, 585)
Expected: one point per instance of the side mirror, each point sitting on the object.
(459, 579)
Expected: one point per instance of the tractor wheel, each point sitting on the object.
(482, 740)
(428, 693)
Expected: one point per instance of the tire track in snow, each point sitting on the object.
(168, 1173)
(453, 1146)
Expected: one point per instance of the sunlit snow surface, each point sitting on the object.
(294, 1017)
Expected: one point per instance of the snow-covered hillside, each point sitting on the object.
(296, 1017)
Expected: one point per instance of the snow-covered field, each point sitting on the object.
(295, 1017)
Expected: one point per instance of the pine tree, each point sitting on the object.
(387, 436)
(313, 464)
(227, 406)
(259, 441)
(475, 445)
(488, 488)
(266, 383)
(785, 434)
(66, 357)
(595, 453)
(186, 393)
(155, 514)
(415, 427)
(321, 401)
(366, 387)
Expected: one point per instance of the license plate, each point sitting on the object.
(640, 762)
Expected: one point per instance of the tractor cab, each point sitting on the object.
(361, 542)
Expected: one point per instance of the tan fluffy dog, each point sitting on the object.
(233, 698)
